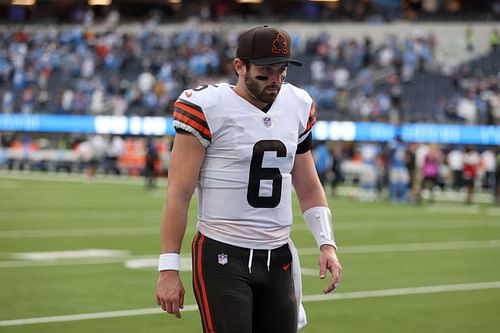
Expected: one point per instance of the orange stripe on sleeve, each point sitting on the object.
(188, 121)
(312, 118)
(190, 110)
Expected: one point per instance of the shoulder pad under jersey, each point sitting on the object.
(204, 96)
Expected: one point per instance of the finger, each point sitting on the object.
(332, 285)
(181, 301)
(174, 309)
(336, 272)
(158, 301)
(168, 307)
(322, 270)
(163, 305)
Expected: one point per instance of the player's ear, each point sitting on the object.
(239, 66)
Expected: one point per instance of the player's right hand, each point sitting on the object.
(170, 292)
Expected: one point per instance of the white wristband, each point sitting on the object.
(169, 262)
(319, 221)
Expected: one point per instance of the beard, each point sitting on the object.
(265, 94)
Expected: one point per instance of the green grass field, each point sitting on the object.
(432, 268)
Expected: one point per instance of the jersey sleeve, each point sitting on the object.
(189, 117)
(311, 120)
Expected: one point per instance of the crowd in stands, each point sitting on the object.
(357, 80)
(74, 71)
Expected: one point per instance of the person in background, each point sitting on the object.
(411, 165)
(430, 171)
(398, 173)
(368, 178)
(471, 162)
(337, 175)
(243, 147)
(456, 163)
(497, 177)
(323, 161)
(488, 162)
(88, 157)
(115, 148)
(150, 162)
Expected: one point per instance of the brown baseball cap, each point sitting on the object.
(265, 46)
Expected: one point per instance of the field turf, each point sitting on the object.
(79, 256)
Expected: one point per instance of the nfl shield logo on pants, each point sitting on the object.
(222, 258)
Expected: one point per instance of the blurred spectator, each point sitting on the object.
(467, 109)
(323, 160)
(88, 158)
(368, 178)
(8, 102)
(471, 162)
(115, 148)
(430, 170)
(469, 39)
(497, 177)
(488, 162)
(151, 159)
(494, 39)
(398, 173)
(456, 163)
(337, 175)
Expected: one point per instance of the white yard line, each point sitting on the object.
(73, 254)
(402, 291)
(143, 261)
(306, 298)
(410, 247)
(83, 261)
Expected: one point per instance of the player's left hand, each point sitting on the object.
(328, 260)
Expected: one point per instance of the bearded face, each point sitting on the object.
(264, 82)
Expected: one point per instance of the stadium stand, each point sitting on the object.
(71, 70)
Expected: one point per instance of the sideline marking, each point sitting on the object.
(306, 298)
(410, 247)
(150, 259)
(76, 254)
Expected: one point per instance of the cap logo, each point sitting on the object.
(280, 46)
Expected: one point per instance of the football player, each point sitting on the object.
(243, 147)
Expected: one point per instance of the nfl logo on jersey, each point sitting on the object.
(267, 121)
(222, 258)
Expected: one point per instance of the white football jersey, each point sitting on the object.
(244, 188)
